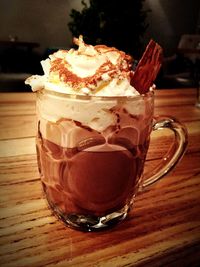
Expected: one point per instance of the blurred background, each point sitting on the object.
(31, 30)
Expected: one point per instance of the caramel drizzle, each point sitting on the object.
(122, 69)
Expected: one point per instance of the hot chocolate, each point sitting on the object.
(93, 134)
(97, 176)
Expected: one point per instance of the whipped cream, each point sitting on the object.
(81, 75)
(59, 115)
(89, 70)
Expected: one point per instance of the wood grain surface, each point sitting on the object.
(163, 229)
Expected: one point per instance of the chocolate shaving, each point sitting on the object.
(148, 67)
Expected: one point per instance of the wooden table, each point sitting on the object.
(162, 230)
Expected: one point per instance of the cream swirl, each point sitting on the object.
(90, 70)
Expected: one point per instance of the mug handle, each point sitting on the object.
(175, 152)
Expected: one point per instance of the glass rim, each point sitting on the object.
(149, 94)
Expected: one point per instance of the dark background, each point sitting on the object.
(45, 22)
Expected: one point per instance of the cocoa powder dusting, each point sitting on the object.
(62, 68)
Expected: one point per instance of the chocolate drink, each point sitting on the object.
(93, 131)
(94, 179)
(95, 114)
(91, 159)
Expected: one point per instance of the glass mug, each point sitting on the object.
(91, 154)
